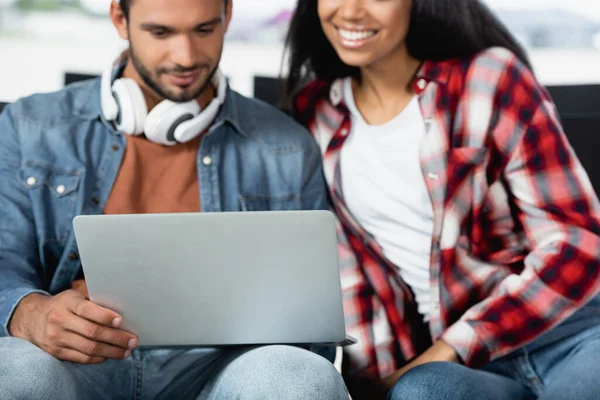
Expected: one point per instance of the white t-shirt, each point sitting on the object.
(385, 191)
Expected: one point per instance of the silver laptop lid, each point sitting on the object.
(204, 279)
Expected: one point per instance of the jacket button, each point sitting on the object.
(31, 181)
(73, 256)
(207, 160)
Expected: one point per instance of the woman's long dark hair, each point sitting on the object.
(439, 30)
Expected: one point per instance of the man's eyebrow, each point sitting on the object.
(214, 21)
(149, 26)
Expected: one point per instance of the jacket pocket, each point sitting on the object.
(53, 195)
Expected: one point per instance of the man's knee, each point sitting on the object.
(27, 372)
(282, 372)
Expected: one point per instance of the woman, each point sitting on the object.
(469, 232)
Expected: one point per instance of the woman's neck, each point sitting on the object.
(384, 89)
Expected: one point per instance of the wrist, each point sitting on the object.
(23, 314)
(447, 352)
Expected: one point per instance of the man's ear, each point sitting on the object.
(118, 20)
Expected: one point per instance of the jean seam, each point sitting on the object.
(138, 377)
(529, 373)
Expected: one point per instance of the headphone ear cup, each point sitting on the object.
(188, 130)
(132, 106)
(165, 117)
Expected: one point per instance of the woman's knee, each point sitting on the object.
(443, 380)
(426, 381)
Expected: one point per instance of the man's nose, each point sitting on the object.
(183, 52)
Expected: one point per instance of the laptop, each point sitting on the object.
(217, 279)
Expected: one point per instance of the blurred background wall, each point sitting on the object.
(46, 43)
(42, 40)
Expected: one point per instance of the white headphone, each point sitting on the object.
(168, 123)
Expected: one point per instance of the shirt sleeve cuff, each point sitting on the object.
(9, 300)
(468, 345)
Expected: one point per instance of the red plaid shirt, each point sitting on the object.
(516, 245)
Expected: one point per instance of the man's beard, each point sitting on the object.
(162, 92)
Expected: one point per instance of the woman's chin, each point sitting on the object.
(355, 60)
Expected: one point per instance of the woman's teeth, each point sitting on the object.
(355, 35)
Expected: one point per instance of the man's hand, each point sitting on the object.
(440, 351)
(81, 287)
(72, 328)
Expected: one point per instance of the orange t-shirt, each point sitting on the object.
(156, 179)
(153, 179)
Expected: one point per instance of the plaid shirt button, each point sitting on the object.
(336, 94)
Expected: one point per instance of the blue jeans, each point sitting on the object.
(557, 366)
(269, 372)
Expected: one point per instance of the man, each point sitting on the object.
(62, 155)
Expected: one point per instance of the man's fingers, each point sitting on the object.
(75, 356)
(95, 313)
(99, 333)
(92, 348)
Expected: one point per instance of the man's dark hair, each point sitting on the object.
(126, 5)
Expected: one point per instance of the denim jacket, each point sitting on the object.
(59, 158)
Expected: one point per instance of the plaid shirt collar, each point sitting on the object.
(428, 72)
